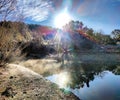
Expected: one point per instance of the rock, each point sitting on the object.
(24, 92)
(11, 77)
(8, 92)
(2, 88)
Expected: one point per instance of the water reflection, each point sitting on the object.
(61, 79)
(91, 81)
(101, 88)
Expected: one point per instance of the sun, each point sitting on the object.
(61, 19)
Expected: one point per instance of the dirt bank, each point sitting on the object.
(20, 83)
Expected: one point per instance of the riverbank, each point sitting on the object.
(24, 80)
(20, 83)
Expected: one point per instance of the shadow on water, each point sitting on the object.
(88, 80)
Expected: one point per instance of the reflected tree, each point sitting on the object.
(81, 75)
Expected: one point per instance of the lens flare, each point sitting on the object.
(61, 19)
(63, 79)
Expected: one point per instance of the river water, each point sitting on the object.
(90, 81)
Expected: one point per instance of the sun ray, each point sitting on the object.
(61, 19)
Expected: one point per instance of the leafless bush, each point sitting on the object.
(12, 54)
(10, 42)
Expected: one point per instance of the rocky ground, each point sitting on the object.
(20, 83)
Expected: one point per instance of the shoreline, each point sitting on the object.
(24, 80)
(20, 83)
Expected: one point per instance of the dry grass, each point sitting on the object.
(10, 35)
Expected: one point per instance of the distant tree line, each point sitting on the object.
(100, 37)
(116, 35)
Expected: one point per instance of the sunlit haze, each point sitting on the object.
(61, 79)
(61, 19)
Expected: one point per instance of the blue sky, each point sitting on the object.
(97, 14)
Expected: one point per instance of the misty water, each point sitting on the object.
(90, 81)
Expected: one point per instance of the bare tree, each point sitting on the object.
(6, 7)
(3, 4)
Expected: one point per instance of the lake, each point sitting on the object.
(90, 81)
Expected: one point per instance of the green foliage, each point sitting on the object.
(90, 32)
(100, 37)
(74, 25)
(116, 35)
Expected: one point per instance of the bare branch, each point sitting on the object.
(6, 7)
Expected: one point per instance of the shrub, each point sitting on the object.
(11, 34)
